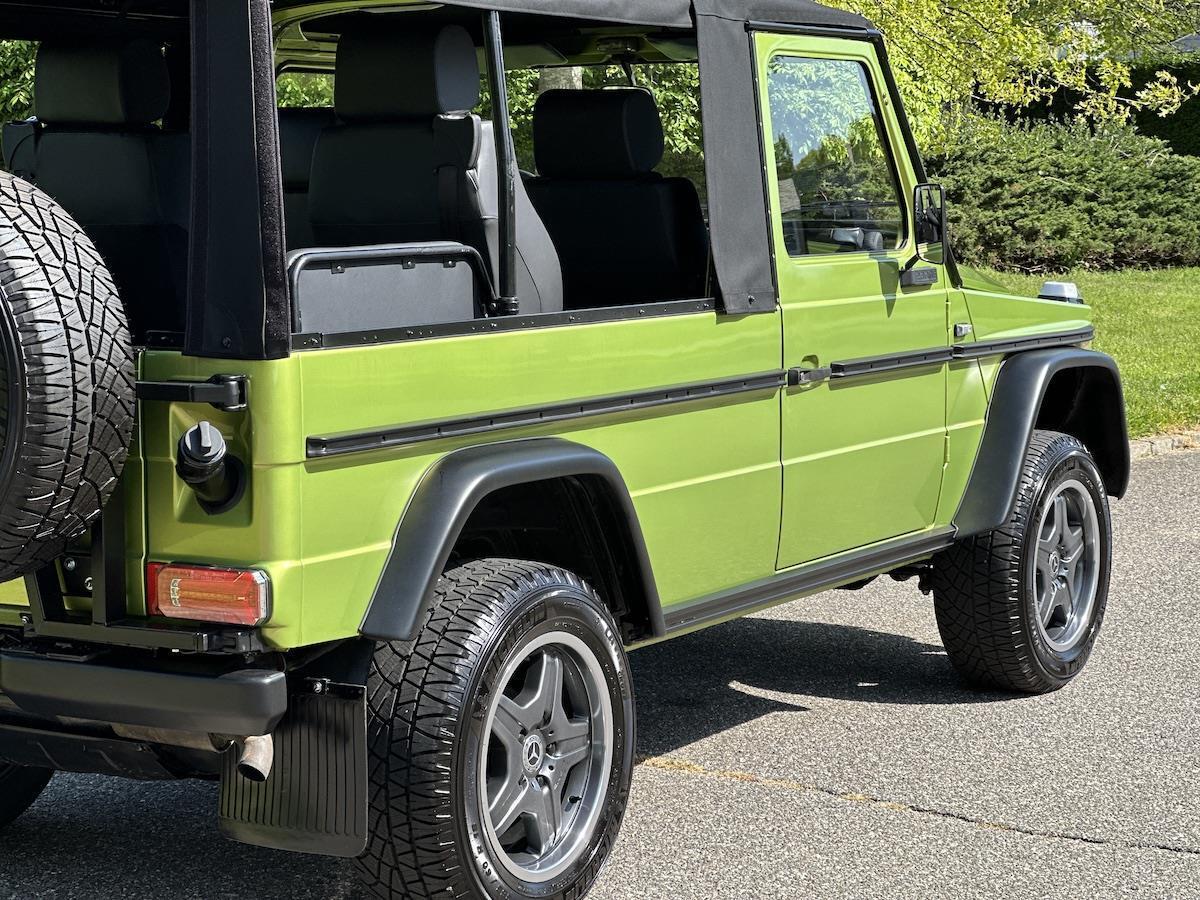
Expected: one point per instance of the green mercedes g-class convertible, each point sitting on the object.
(346, 450)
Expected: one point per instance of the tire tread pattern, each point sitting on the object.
(412, 691)
(976, 587)
(19, 788)
(77, 365)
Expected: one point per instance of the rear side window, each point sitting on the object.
(838, 188)
(16, 79)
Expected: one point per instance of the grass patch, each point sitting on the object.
(1149, 321)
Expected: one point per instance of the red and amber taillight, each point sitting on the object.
(208, 593)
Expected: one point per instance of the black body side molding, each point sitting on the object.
(443, 503)
(1063, 389)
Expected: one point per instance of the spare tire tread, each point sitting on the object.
(78, 373)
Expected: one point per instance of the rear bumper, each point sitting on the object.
(239, 703)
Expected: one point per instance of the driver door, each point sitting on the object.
(864, 420)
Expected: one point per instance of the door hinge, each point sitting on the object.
(962, 330)
(225, 392)
(919, 277)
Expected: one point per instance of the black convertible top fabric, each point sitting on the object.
(679, 13)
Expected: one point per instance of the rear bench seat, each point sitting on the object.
(299, 130)
(99, 153)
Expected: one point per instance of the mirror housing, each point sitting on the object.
(929, 215)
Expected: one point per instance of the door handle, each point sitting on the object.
(802, 377)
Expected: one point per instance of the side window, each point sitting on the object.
(305, 90)
(837, 184)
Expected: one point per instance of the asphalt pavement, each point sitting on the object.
(823, 749)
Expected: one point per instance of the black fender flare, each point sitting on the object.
(1094, 412)
(443, 502)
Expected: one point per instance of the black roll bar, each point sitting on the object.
(508, 302)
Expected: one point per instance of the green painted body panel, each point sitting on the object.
(704, 476)
(728, 491)
(966, 414)
(992, 315)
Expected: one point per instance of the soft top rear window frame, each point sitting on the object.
(238, 303)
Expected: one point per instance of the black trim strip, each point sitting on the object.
(807, 579)
(868, 366)
(850, 32)
(1033, 342)
(405, 435)
(503, 323)
(876, 365)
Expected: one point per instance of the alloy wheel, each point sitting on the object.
(1066, 570)
(545, 763)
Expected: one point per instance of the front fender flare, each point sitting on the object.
(1096, 415)
(444, 501)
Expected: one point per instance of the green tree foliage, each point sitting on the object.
(304, 89)
(676, 88)
(950, 53)
(1046, 196)
(16, 79)
(1180, 129)
(828, 149)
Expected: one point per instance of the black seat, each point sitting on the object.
(299, 130)
(100, 154)
(624, 234)
(410, 164)
(19, 143)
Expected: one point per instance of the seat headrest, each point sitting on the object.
(124, 84)
(597, 134)
(388, 76)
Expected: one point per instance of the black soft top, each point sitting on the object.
(681, 13)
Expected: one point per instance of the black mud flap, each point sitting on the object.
(315, 800)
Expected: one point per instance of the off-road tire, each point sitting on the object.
(986, 611)
(426, 701)
(67, 380)
(19, 787)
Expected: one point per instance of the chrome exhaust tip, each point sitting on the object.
(257, 758)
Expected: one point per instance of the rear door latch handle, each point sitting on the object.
(225, 392)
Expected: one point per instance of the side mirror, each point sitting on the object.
(929, 208)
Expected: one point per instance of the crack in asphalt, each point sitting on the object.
(683, 766)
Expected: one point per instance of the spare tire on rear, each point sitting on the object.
(67, 385)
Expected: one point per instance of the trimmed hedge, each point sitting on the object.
(1041, 197)
(1180, 129)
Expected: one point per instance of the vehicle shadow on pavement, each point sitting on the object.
(700, 685)
(93, 837)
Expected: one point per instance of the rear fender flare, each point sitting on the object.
(1086, 401)
(445, 498)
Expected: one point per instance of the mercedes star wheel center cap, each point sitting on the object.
(534, 751)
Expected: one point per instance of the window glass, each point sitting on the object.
(16, 79)
(676, 90)
(305, 90)
(837, 185)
